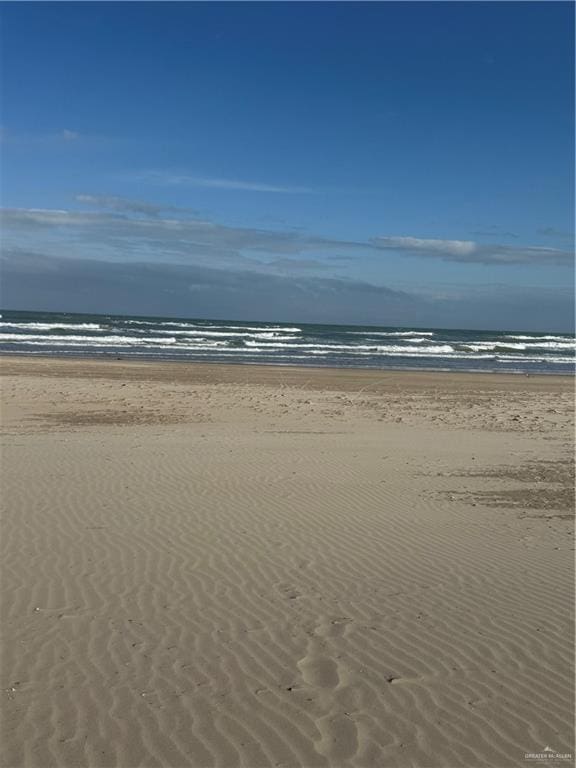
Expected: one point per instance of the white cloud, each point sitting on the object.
(133, 229)
(127, 205)
(468, 251)
(174, 179)
(456, 247)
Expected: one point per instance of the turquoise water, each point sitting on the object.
(49, 333)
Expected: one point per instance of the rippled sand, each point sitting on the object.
(243, 566)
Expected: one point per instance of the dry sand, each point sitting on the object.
(247, 566)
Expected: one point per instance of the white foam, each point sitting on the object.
(201, 326)
(355, 347)
(390, 333)
(251, 335)
(540, 338)
(519, 346)
(141, 345)
(536, 359)
(552, 345)
(51, 326)
(100, 341)
(286, 329)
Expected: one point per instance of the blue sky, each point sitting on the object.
(347, 152)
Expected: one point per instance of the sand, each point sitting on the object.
(260, 566)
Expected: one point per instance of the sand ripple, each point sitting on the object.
(269, 594)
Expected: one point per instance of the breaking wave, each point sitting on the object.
(275, 343)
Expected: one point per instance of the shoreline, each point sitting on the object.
(305, 366)
(270, 372)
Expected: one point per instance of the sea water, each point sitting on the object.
(342, 346)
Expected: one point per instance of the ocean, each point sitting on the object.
(342, 346)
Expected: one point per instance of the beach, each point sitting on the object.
(213, 565)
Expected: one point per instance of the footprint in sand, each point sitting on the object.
(319, 671)
(333, 627)
(337, 729)
(317, 668)
(339, 737)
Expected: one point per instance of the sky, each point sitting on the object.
(391, 163)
